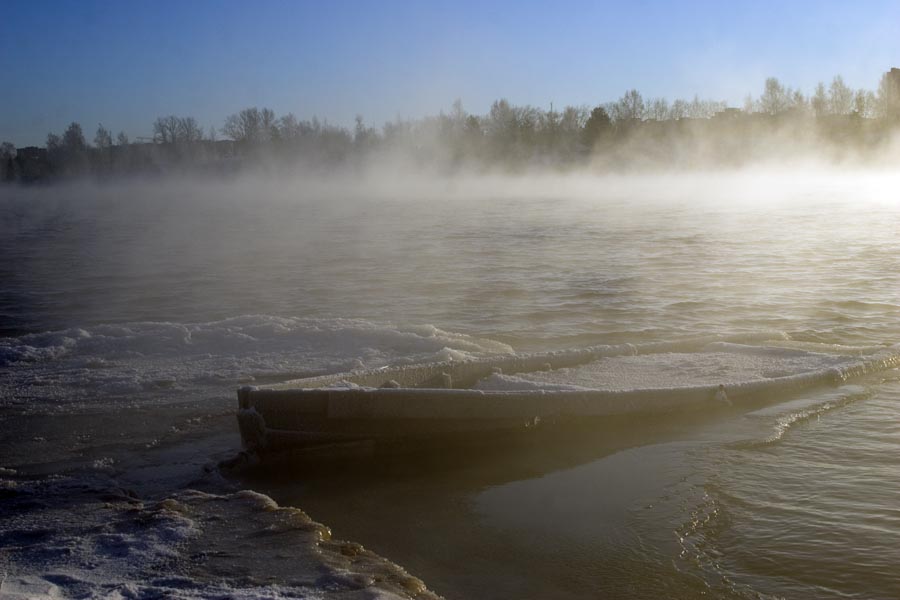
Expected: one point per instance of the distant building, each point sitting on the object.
(889, 94)
(32, 163)
(894, 75)
(32, 153)
(728, 113)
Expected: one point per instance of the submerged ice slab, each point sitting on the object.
(727, 364)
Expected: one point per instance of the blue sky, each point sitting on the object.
(124, 63)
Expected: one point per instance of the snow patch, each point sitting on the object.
(182, 547)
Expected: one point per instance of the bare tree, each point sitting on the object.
(54, 143)
(103, 138)
(289, 128)
(188, 131)
(629, 107)
(268, 125)
(658, 109)
(840, 97)
(177, 130)
(502, 123)
(750, 105)
(165, 130)
(457, 114)
(698, 109)
(121, 139)
(102, 160)
(864, 104)
(819, 101)
(573, 118)
(799, 101)
(363, 136)
(775, 99)
(251, 125)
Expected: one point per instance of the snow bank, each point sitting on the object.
(190, 545)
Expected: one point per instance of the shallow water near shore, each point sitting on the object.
(131, 314)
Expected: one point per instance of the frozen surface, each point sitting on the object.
(71, 393)
(189, 545)
(125, 363)
(724, 363)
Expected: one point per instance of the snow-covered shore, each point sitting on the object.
(85, 537)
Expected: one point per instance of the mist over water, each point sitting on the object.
(533, 257)
(130, 296)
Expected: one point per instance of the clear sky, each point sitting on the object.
(124, 63)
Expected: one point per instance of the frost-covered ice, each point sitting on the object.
(95, 402)
(140, 382)
(497, 382)
(721, 363)
(124, 362)
(85, 538)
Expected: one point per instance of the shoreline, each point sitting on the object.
(187, 532)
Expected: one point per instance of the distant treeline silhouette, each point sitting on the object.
(632, 131)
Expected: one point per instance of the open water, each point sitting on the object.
(131, 311)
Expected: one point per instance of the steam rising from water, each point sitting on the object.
(554, 256)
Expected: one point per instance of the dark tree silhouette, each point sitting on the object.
(73, 139)
(597, 128)
(73, 149)
(7, 162)
(251, 125)
(103, 138)
(834, 119)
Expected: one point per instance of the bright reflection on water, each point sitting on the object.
(797, 500)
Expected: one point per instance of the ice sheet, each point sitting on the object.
(139, 363)
(670, 370)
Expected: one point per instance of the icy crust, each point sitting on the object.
(497, 382)
(718, 363)
(190, 545)
(79, 394)
(135, 361)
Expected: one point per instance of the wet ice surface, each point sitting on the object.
(671, 370)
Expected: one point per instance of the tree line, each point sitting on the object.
(618, 133)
